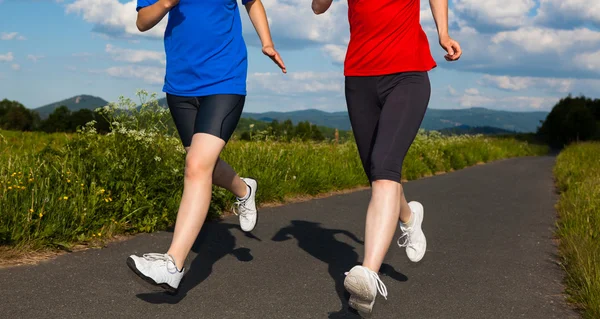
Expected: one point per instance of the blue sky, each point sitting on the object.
(519, 55)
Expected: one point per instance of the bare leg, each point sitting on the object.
(405, 212)
(197, 190)
(224, 176)
(382, 216)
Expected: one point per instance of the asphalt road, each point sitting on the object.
(490, 255)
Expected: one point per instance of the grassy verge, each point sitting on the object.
(60, 190)
(578, 176)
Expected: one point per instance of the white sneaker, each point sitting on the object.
(414, 238)
(246, 209)
(157, 269)
(363, 285)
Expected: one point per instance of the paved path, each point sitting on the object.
(490, 255)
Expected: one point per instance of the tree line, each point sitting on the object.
(15, 116)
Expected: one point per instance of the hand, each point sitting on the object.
(274, 55)
(452, 47)
(169, 4)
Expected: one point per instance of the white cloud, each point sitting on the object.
(71, 68)
(336, 52)
(589, 61)
(472, 98)
(472, 91)
(16, 67)
(568, 12)
(34, 58)
(520, 83)
(113, 17)
(148, 74)
(297, 83)
(543, 40)
(134, 56)
(8, 57)
(494, 13)
(7, 36)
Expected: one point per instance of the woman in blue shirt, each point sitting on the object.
(205, 83)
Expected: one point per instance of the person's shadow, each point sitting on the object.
(214, 242)
(340, 257)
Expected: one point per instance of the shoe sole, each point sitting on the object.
(166, 287)
(360, 299)
(255, 192)
(420, 223)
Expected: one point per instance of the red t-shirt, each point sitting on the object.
(386, 37)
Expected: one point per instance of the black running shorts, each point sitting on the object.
(216, 115)
(386, 113)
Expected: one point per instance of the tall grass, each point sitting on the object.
(56, 190)
(577, 173)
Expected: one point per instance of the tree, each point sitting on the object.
(15, 116)
(571, 119)
(58, 121)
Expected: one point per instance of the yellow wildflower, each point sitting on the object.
(41, 215)
(31, 210)
(110, 199)
(106, 200)
(9, 187)
(99, 234)
(102, 191)
(31, 180)
(81, 185)
(68, 180)
(23, 188)
(65, 198)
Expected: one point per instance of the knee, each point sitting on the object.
(198, 167)
(386, 184)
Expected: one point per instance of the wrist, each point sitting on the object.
(443, 34)
(268, 45)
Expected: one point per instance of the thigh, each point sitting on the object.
(364, 110)
(402, 113)
(183, 111)
(219, 114)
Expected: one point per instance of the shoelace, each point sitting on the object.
(381, 288)
(406, 234)
(240, 209)
(161, 257)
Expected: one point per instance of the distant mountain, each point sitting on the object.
(435, 119)
(75, 103)
(465, 129)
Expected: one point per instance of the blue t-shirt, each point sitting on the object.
(206, 53)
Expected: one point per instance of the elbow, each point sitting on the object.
(140, 26)
(318, 9)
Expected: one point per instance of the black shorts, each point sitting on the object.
(216, 115)
(386, 113)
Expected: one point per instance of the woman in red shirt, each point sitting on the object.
(387, 93)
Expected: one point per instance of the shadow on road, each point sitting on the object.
(340, 257)
(214, 242)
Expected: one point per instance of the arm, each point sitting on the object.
(258, 16)
(320, 6)
(439, 9)
(151, 15)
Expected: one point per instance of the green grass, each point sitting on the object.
(58, 190)
(577, 172)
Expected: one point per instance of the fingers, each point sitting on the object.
(279, 62)
(454, 51)
(274, 55)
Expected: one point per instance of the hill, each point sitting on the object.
(435, 119)
(465, 129)
(75, 103)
